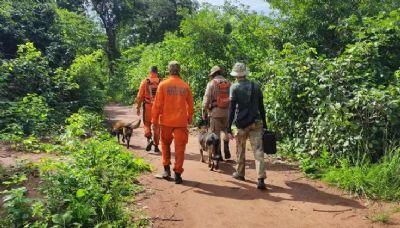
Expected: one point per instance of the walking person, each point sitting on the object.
(173, 108)
(145, 99)
(248, 112)
(216, 104)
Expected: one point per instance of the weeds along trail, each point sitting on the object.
(87, 179)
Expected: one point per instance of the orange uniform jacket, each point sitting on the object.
(173, 105)
(145, 96)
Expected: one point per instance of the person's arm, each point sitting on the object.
(206, 100)
(157, 104)
(140, 95)
(232, 110)
(190, 106)
(261, 108)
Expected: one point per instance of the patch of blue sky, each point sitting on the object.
(260, 6)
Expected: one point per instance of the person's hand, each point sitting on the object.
(230, 136)
(138, 111)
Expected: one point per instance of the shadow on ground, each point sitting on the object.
(246, 191)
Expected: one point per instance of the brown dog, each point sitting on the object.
(209, 142)
(124, 129)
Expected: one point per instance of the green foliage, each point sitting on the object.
(209, 37)
(89, 185)
(92, 187)
(25, 117)
(123, 89)
(2, 172)
(90, 73)
(35, 21)
(20, 21)
(314, 167)
(28, 73)
(380, 217)
(165, 16)
(79, 32)
(348, 105)
(83, 124)
(17, 206)
(379, 180)
(314, 21)
(72, 5)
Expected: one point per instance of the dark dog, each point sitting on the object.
(125, 130)
(209, 142)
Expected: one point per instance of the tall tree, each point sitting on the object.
(155, 19)
(129, 22)
(114, 13)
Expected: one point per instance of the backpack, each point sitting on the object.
(152, 85)
(248, 115)
(221, 93)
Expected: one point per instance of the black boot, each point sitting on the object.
(178, 178)
(149, 144)
(261, 184)
(226, 150)
(167, 172)
(156, 149)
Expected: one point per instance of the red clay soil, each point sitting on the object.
(215, 199)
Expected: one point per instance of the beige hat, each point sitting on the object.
(174, 67)
(214, 69)
(239, 70)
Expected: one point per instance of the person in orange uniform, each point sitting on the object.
(145, 98)
(173, 108)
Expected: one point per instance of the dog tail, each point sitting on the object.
(134, 125)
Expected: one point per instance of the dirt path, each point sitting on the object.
(215, 199)
(10, 157)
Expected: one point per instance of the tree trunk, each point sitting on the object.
(112, 49)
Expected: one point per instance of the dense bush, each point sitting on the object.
(90, 73)
(58, 93)
(89, 186)
(83, 124)
(378, 180)
(28, 73)
(349, 104)
(93, 185)
(25, 117)
(51, 52)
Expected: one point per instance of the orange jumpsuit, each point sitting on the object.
(145, 96)
(173, 108)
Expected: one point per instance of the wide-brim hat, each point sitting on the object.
(239, 70)
(214, 69)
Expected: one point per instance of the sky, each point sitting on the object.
(260, 6)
